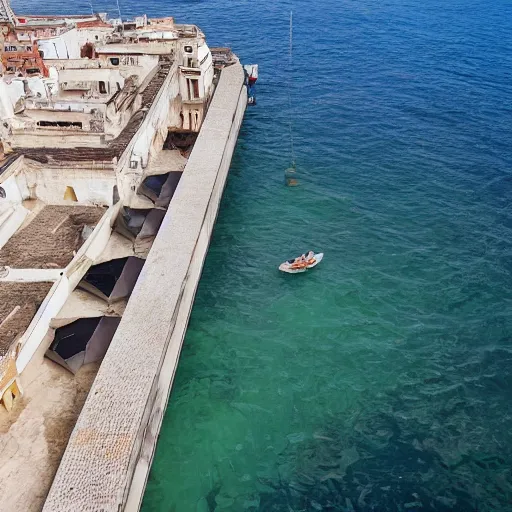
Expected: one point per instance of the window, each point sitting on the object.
(133, 164)
(188, 49)
(41, 54)
(195, 86)
(87, 51)
(2, 193)
(96, 37)
(114, 61)
(69, 194)
(103, 88)
(60, 124)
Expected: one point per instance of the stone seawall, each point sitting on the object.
(109, 454)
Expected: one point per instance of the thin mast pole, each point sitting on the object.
(290, 79)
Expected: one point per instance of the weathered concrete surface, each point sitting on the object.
(33, 436)
(52, 237)
(113, 441)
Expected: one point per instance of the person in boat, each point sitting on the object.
(309, 255)
(302, 259)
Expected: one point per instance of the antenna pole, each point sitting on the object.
(290, 78)
(291, 35)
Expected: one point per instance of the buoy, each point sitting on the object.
(290, 177)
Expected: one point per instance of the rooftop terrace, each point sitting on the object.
(51, 239)
(116, 147)
(18, 305)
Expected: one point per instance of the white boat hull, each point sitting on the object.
(287, 267)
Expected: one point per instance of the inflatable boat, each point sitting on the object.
(302, 263)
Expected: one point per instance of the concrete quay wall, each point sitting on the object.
(106, 463)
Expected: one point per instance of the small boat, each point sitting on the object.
(301, 264)
(251, 71)
(251, 77)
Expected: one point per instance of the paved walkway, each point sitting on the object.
(33, 436)
(131, 388)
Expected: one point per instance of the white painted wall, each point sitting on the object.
(166, 35)
(13, 196)
(70, 106)
(140, 65)
(38, 328)
(194, 107)
(10, 221)
(37, 86)
(31, 275)
(49, 185)
(92, 35)
(111, 75)
(95, 244)
(125, 61)
(149, 138)
(12, 212)
(204, 56)
(6, 104)
(41, 89)
(64, 46)
(156, 47)
(10, 93)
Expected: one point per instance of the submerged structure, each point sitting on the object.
(115, 142)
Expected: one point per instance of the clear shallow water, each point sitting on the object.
(381, 380)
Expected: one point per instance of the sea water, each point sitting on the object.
(381, 380)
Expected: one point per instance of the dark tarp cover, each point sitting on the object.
(83, 341)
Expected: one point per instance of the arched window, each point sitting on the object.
(69, 194)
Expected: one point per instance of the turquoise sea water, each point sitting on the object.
(380, 381)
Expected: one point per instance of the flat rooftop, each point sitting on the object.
(51, 239)
(18, 305)
(113, 149)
